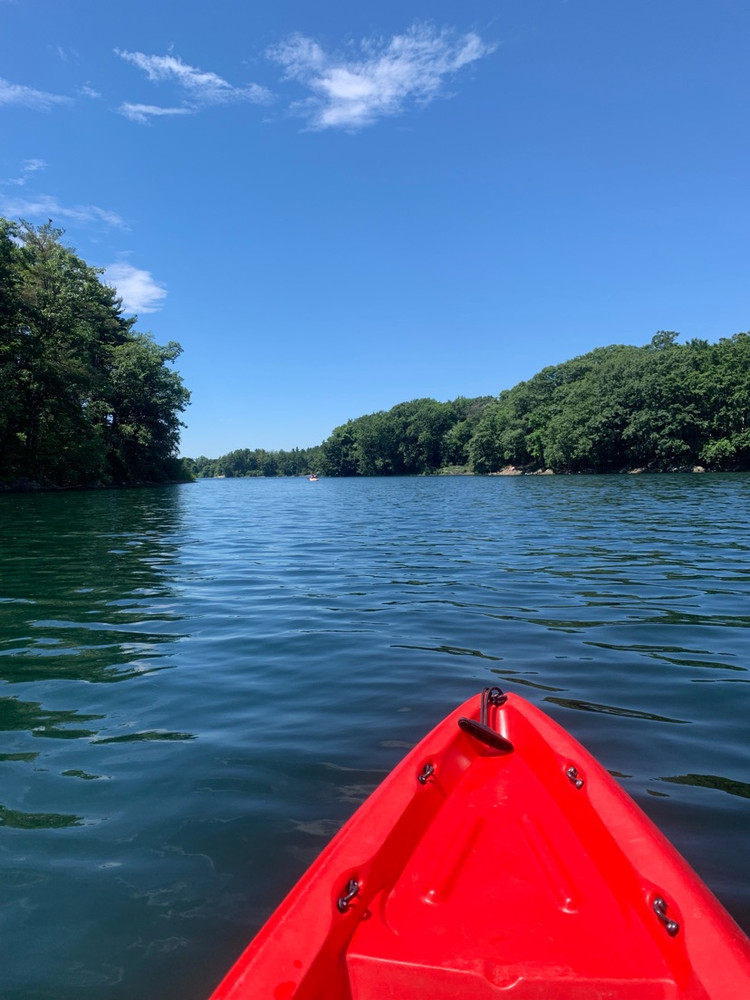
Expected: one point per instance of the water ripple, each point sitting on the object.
(275, 649)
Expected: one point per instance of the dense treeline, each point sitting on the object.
(659, 407)
(415, 438)
(662, 406)
(84, 398)
(244, 462)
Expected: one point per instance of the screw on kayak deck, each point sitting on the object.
(427, 771)
(660, 909)
(352, 889)
(577, 780)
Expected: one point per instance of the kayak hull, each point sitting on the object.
(497, 860)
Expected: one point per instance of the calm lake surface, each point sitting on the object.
(200, 683)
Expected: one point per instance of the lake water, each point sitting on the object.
(200, 683)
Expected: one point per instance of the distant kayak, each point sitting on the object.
(312, 479)
(497, 861)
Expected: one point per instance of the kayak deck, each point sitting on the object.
(486, 872)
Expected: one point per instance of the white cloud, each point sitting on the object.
(29, 167)
(352, 93)
(65, 55)
(37, 100)
(201, 88)
(139, 292)
(45, 206)
(141, 113)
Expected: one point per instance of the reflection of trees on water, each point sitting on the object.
(37, 821)
(729, 785)
(29, 716)
(87, 595)
(86, 587)
(69, 650)
(628, 713)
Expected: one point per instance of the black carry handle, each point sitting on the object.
(485, 735)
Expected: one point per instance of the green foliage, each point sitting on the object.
(340, 455)
(83, 398)
(662, 406)
(145, 397)
(415, 438)
(86, 399)
(244, 463)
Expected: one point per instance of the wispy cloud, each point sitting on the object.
(31, 166)
(142, 113)
(200, 88)
(45, 207)
(37, 100)
(28, 168)
(29, 205)
(388, 75)
(139, 292)
(65, 55)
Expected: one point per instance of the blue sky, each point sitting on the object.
(336, 207)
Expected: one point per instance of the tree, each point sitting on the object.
(340, 451)
(11, 350)
(661, 406)
(144, 399)
(725, 385)
(85, 399)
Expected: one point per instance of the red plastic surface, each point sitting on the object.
(497, 877)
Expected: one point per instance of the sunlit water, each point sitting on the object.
(200, 683)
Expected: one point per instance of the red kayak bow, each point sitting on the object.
(497, 861)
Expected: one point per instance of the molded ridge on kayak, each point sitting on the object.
(497, 860)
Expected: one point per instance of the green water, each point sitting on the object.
(200, 683)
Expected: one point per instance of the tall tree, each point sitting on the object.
(85, 398)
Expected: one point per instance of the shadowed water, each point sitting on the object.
(199, 684)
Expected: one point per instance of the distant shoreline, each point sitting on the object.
(30, 486)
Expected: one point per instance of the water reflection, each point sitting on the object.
(450, 650)
(67, 650)
(679, 656)
(629, 713)
(515, 677)
(329, 629)
(87, 590)
(37, 821)
(729, 785)
(146, 737)
(87, 598)
(30, 716)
